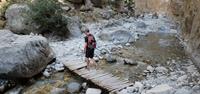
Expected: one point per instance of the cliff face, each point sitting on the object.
(187, 12)
(160, 6)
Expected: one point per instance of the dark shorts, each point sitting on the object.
(89, 53)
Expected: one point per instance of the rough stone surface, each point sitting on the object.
(74, 25)
(121, 36)
(187, 13)
(73, 87)
(16, 20)
(161, 89)
(23, 56)
(93, 91)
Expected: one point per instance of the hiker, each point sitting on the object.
(90, 45)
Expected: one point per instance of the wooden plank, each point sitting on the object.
(81, 71)
(73, 64)
(77, 66)
(122, 87)
(92, 73)
(98, 75)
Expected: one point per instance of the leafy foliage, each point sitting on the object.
(47, 14)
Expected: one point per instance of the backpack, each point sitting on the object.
(91, 42)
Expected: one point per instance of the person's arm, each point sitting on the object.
(85, 46)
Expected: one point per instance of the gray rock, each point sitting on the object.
(23, 56)
(17, 22)
(183, 91)
(150, 68)
(161, 89)
(46, 73)
(110, 59)
(182, 78)
(161, 70)
(58, 91)
(121, 36)
(74, 25)
(107, 14)
(93, 91)
(73, 87)
(130, 62)
(141, 25)
(139, 86)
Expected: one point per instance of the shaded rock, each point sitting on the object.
(121, 36)
(139, 86)
(16, 90)
(104, 36)
(6, 84)
(58, 91)
(17, 22)
(73, 87)
(141, 25)
(110, 59)
(161, 69)
(107, 14)
(161, 89)
(93, 91)
(130, 62)
(76, 1)
(74, 25)
(23, 56)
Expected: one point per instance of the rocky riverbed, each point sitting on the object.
(157, 63)
(146, 51)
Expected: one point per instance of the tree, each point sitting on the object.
(47, 14)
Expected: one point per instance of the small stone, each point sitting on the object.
(130, 89)
(96, 59)
(73, 87)
(84, 85)
(130, 62)
(127, 44)
(93, 91)
(46, 73)
(139, 85)
(161, 69)
(110, 59)
(58, 91)
(150, 68)
(161, 89)
(182, 78)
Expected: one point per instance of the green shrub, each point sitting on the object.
(47, 14)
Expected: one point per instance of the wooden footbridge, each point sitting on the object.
(99, 77)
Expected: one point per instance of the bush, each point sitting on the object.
(47, 14)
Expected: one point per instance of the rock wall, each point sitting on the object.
(187, 13)
(143, 6)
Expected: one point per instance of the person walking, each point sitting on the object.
(89, 48)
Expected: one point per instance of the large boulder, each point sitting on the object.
(23, 56)
(74, 25)
(121, 36)
(16, 20)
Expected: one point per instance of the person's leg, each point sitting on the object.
(88, 62)
(87, 58)
(93, 63)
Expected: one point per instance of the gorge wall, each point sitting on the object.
(187, 12)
